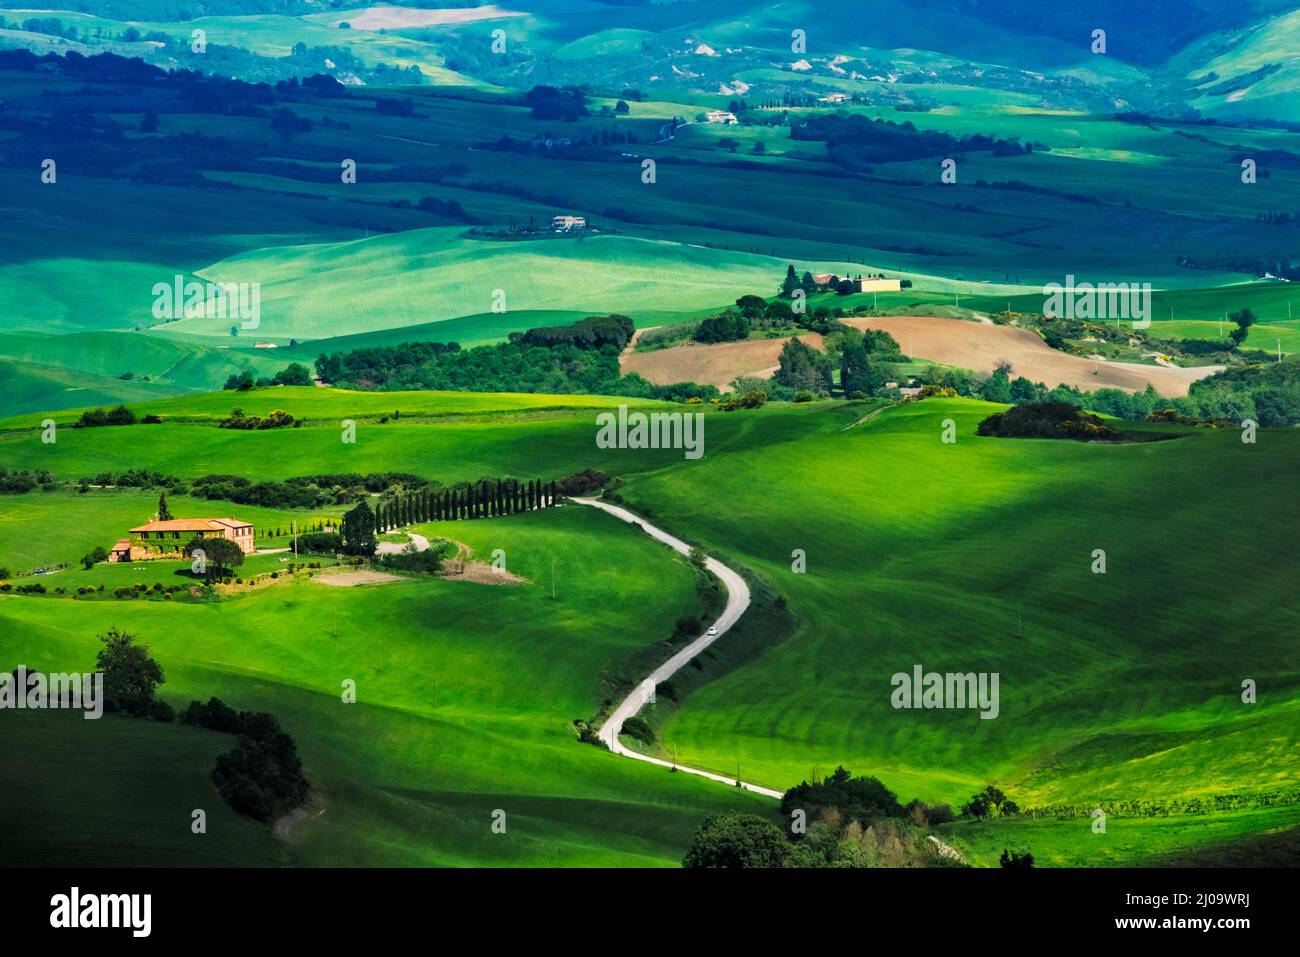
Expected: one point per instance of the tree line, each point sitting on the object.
(487, 498)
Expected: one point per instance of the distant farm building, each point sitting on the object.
(878, 285)
(721, 116)
(859, 284)
(166, 539)
(834, 97)
(566, 223)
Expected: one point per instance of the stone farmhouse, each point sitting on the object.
(166, 539)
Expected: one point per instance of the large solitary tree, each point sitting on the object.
(1244, 320)
(359, 531)
(220, 554)
(130, 674)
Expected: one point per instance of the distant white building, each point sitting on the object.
(566, 223)
(878, 285)
(721, 116)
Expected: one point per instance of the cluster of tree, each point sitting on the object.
(275, 419)
(262, 775)
(485, 498)
(293, 374)
(118, 415)
(320, 543)
(557, 103)
(762, 314)
(1268, 393)
(1049, 420)
(854, 140)
(863, 799)
(725, 327)
(990, 802)
(801, 367)
(559, 367)
(864, 362)
(237, 489)
(848, 822)
(594, 332)
(580, 483)
(19, 482)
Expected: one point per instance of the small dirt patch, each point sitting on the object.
(358, 577)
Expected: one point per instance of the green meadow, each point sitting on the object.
(974, 556)
(134, 783)
(977, 556)
(465, 694)
(442, 435)
(1223, 839)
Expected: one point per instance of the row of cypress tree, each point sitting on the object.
(484, 499)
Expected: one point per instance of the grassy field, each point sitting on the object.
(1133, 842)
(976, 557)
(968, 557)
(461, 709)
(133, 785)
(441, 435)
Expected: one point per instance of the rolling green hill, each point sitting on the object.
(462, 708)
(137, 780)
(976, 557)
(435, 274)
(967, 557)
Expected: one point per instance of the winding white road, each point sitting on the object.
(737, 602)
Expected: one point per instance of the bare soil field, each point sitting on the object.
(713, 365)
(978, 346)
(981, 347)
